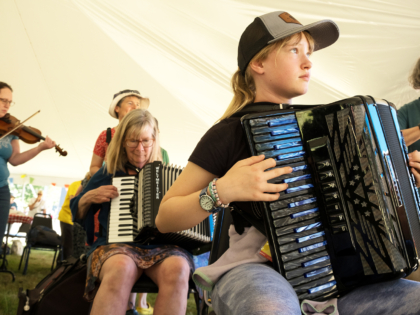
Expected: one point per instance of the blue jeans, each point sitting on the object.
(4, 211)
(257, 289)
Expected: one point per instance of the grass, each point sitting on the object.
(39, 266)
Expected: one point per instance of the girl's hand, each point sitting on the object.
(46, 144)
(247, 181)
(414, 163)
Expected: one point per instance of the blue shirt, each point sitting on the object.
(101, 178)
(6, 151)
(408, 117)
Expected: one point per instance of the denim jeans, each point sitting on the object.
(4, 211)
(257, 289)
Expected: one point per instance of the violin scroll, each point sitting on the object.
(60, 150)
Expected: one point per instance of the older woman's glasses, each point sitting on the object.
(135, 143)
(7, 102)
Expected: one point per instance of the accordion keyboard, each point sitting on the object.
(300, 241)
(122, 224)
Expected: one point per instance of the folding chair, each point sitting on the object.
(40, 219)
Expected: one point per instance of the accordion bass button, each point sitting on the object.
(326, 187)
(328, 175)
(337, 218)
(339, 228)
(334, 207)
(331, 197)
(321, 165)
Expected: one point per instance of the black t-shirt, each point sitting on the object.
(219, 149)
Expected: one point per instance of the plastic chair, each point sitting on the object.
(40, 219)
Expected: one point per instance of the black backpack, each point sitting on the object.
(60, 292)
(42, 235)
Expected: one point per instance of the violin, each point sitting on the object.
(11, 125)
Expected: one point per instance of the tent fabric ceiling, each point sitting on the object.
(68, 57)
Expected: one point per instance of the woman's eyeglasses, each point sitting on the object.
(7, 102)
(135, 143)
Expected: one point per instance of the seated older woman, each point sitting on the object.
(113, 269)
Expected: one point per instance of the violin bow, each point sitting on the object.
(19, 125)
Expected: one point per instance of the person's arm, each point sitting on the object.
(96, 192)
(18, 158)
(245, 181)
(32, 205)
(95, 164)
(98, 153)
(414, 163)
(411, 135)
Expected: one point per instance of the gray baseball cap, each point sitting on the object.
(271, 27)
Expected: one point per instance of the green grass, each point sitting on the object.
(38, 267)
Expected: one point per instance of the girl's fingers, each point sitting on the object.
(278, 172)
(250, 161)
(275, 188)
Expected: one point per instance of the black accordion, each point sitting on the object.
(132, 214)
(350, 214)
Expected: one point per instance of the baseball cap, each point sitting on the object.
(271, 27)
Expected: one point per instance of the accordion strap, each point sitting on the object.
(132, 167)
(257, 223)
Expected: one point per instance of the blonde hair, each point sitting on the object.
(244, 86)
(414, 78)
(132, 125)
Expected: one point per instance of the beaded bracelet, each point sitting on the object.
(211, 192)
(215, 195)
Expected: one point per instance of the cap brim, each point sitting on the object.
(324, 33)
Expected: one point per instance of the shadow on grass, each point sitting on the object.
(40, 266)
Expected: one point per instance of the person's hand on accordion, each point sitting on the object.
(414, 163)
(247, 180)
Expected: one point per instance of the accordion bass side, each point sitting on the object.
(132, 214)
(350, 214)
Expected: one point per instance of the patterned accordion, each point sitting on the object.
(133, 212)
(350, 214)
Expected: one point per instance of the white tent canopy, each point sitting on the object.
(67, 58)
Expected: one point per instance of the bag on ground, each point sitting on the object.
(60, 292)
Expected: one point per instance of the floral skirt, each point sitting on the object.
(144, 259)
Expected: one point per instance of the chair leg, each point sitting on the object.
(202, 308)
(27, 260)
(22, 257)
(55, 255)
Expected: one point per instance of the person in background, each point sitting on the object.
(409, 114)
(13, 205)
(66, 221)
(122, 103)
(37, 205)
(114, 268)
(10, 153)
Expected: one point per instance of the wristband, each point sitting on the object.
(214, 194)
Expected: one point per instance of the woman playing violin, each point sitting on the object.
(10, 152)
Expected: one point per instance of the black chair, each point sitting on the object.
(146, 285)
(40, 219)
(220, 242)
